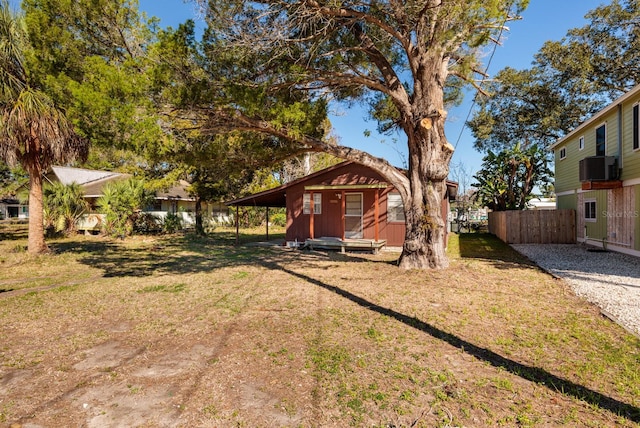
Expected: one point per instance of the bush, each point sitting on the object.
(63, 205)
(146, 223)
(278, 219)
(171, 223)
(121, 202)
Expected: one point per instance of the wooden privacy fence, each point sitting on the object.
(534, 227)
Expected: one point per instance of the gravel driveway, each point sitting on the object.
(608, 279)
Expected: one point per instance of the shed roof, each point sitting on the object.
(276, 197)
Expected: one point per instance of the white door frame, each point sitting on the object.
(360, 234)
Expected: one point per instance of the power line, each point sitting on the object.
(486, 72)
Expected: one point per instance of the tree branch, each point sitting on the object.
(225, 121)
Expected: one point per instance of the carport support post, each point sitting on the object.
(237, 224)
(377, 215)
(342, 212)
(267, 224)
(311, 216)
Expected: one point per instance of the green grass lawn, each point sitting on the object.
(198, 332)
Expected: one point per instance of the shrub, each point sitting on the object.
(63, 205)
(121, 202)
(171, 223)
(278, 219)
(146, 223)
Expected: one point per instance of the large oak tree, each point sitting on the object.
(570, 79)
(404, 58)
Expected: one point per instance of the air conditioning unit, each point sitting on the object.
(599, 168)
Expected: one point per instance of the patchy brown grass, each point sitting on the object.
(185, 331)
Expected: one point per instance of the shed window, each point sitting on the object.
(395, 209)
(317, 203)
(601, 140)
(590, 211)
(563, 153)
(636, 120)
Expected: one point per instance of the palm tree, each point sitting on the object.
(33, 131)
(121, 202)
(64, 204)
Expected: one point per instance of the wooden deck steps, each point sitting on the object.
(331, 243)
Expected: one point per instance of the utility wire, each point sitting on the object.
(486, 72)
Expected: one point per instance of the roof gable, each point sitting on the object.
(91, 181)
(344, 173)
(276, 197)
(599, 115)
(68, 175)
(179, 191)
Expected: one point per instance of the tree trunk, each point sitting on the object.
(36, 225)
(429, 157)
(199, 226)
(424, 242)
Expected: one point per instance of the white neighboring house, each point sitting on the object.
(542, 204)
(176, 200)
(11, 207)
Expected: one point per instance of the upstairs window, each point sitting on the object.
(601, 140)
(581, 143)
(636, 120)
(563, 153)
(395, 209)
(317, 203)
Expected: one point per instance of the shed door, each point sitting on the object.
(353, 215)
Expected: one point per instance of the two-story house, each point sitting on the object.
(597, 173)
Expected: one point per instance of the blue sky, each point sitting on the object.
(543, 20)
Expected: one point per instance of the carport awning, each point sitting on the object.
(275, 198)
(347, 186)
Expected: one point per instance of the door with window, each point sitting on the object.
(353, 215)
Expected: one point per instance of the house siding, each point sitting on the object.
(611, 122)
(631, 157)
(618, 208)
(567, 175)
(566, 202)
(394, 231)
(330, 222)
(636, 190)
(593, 229)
